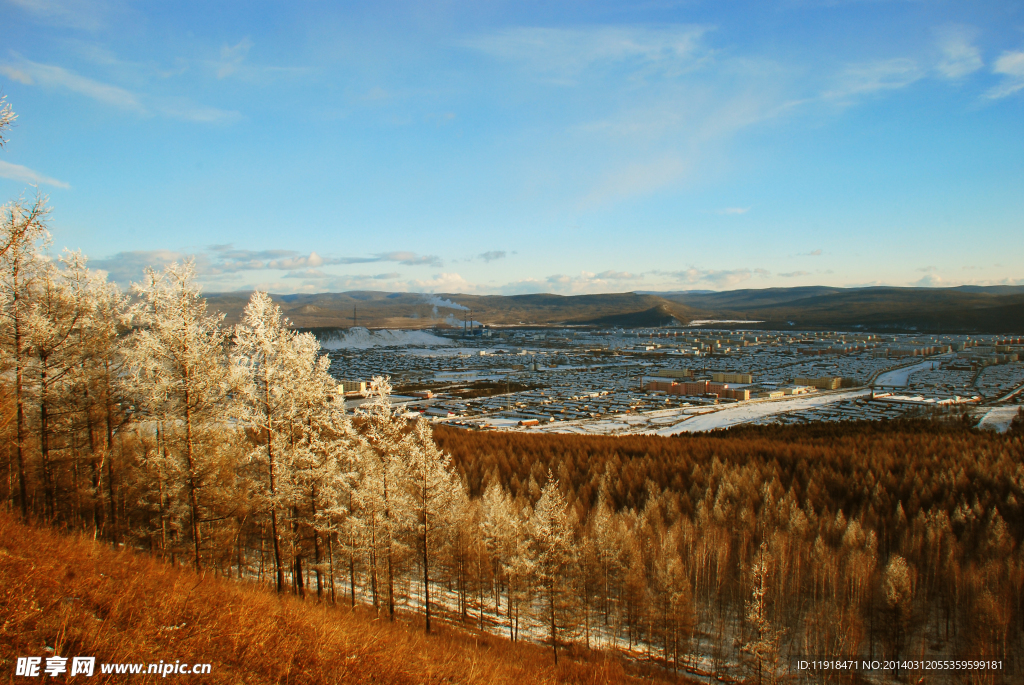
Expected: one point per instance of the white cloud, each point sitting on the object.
(129, 267)
(17, 172)
(734, 210)
(960, 56)
(636, 179)
(617, 276)
(401, 257)
(874, 77)
(79, 14)
(446, 283)
(930, 281)
(719, 278)
(795, 274)
(492, 255)
(1011, 65)
(51, 76)
(232, 57)
(564, 55)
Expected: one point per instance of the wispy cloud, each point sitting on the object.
(78, 14)
(58, 78)
(493, 255)
(719, 278)
(129, 267)
(795, 274)
(17, 172)
(187, 111)
(1010, 65)
(583, 282)
(960, 56)
(563, 55)
(405, 258)
(50, 76)
(232, 56)
(873, 77)
(734, 210)
(636, 179)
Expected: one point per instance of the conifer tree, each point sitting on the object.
(383, 495)
(552, 538)
(178, 373)
(23, 235)
(433, 496)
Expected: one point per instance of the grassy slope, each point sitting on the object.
(81, 598)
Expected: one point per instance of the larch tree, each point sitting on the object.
(384, 497)
(178, 373)
(325, 450)
(56, 308)
(23, 235)
(433, 494)
(764, 645)
(506, 536)
(97, 334)
(552, 537)
(267, 373)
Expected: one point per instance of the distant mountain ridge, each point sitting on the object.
(964, 309)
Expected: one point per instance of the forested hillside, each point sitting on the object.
(146, 422)
(229, 449)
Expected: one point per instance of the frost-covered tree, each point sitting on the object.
(433, 496)
(552, 537)
(178, 374)
(763, 647)
(383, 497)
(325, 451)
(23, 235)
(97, 338)
(506, 535)
(56, 308)
(7, 117)
(266, 374)
(898, 591)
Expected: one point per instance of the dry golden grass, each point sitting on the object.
(81, 598)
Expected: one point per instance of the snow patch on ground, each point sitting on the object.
(735, 414)
(359, 338)
(708, 322)
(998, 418)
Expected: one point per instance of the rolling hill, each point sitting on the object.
(967, 309)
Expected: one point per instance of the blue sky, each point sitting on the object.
(492, 147)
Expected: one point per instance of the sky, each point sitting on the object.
(519, 147)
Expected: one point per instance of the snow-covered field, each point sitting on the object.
(735, 414)
(998, 418)
(901, 377)
(359, 338)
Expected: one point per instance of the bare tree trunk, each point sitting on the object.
(330, 552)
(110, 457)
(273, 485)
(20, 398)
(190, 458)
